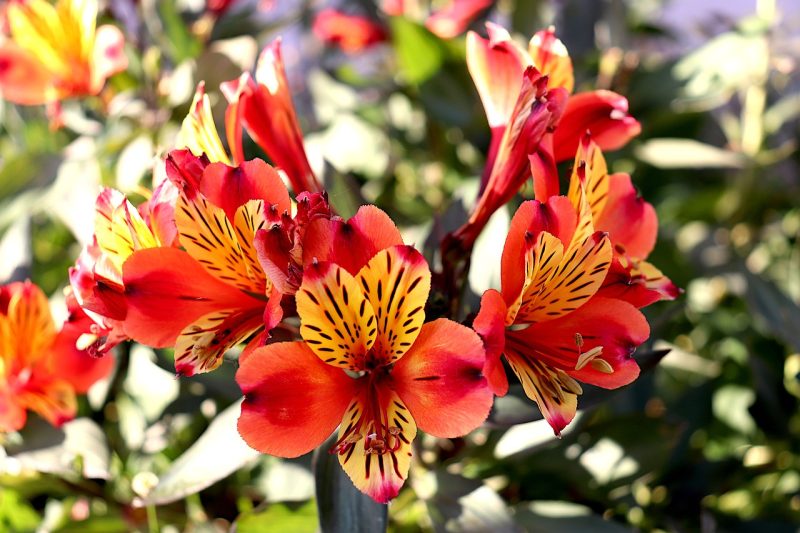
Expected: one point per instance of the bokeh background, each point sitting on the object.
(708, 439)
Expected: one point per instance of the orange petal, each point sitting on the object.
(553, 390)
(52, 399)
(12, 413)
(551, 58)
(166, 290)
(23, 80)
(440, 379)
(292, 401)
(374, 445)
(336, 321)
(396, 282)
(25, 323)
(490, 324)
(628, 219)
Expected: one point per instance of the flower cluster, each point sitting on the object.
(334, 314)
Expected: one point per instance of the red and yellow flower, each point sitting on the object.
(367, 363)
(56, 51)
(41, 369)
(548, 320)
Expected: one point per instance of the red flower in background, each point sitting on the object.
(409, 374)
(351, 33)
(264, 106)
(453, 18)
(41, 369)
(55, 52)
(548, 320)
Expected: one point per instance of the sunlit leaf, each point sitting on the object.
(277, 518)
(419, 52)
(687, 153)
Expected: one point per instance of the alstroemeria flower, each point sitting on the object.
(496, 65)
(41, 369)
(548, 321)
(212, 294)
(199, 134)
(55, 52)
(96, 278)
(351, 33)
(630, 222)
(535, 113)
(368, 364)
(264, 106)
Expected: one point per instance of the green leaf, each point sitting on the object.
(15, 513)
(687, 153)
(277, 518)
(546, 516)
(342, 507)
(419, 52)
(218, 452)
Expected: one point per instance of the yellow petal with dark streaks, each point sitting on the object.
(541, 261)
(396, 282)
(553, 390)
(576, 279)
(374, 445)
(248, 220)
(590, 177)
(201, 346)
(209, 238)
(336, 321)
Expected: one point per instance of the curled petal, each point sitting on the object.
(336, 321)
(396, 283)
(590, 180)
(490, 324)
(374, 445)
(603, 113)
(292, 401)
(198, 132)
(440, 380)
(637, 282)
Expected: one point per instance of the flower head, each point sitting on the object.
(55, 52)
(548, 320)
(41, 369)
(369, 364)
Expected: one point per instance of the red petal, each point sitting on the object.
(452, 19)
(544, 171)
(604, 114)
(440, 379)
(629, 220)
(77, 367)
(292, 400)
(615, 325)
(167, 290)
(353, 243)
(231, 187)
(490, 324)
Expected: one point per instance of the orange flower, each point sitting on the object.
(56, 53)
(548, 320)
(408, 374)
(350, 32)
(41, 369)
